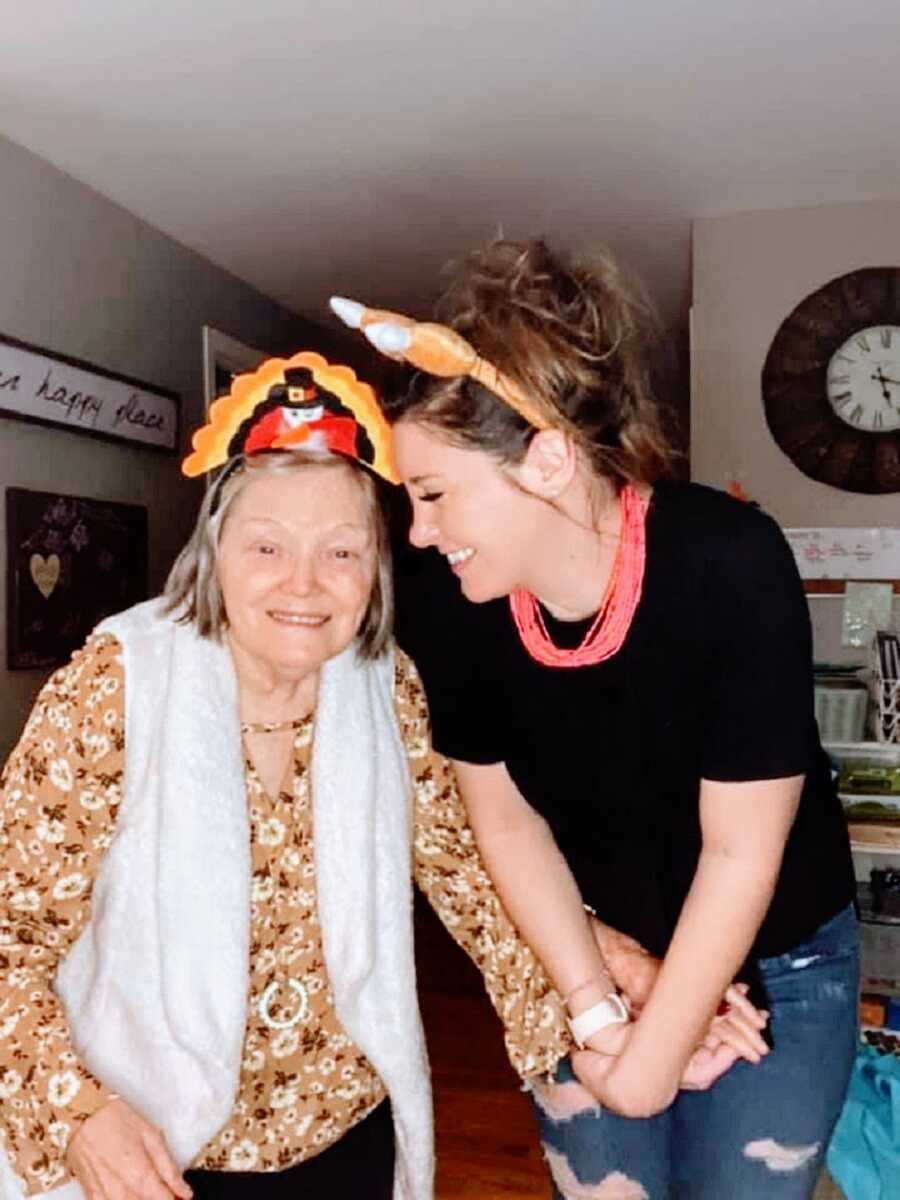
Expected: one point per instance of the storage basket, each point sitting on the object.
(841, 711)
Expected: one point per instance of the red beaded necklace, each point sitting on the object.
(612, 622)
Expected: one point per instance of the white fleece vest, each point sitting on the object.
(155, 988)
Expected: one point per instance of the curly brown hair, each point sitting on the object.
(571, 333)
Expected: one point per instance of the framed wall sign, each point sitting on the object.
(70, 562)
(52, 389)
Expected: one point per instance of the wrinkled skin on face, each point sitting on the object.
(296, 564)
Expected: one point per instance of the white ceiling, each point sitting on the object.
(313, 146)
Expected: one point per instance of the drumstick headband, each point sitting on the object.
(438, 350)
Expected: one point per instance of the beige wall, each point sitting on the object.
(81, 276)
(750, 271)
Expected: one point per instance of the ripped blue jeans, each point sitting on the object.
(760, 1132)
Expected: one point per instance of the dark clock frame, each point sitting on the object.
(794, 391)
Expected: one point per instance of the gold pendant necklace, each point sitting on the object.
(299, 1014)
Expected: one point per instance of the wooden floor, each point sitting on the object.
(486, 1138)
(487, 1145)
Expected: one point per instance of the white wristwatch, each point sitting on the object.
(611, 1010)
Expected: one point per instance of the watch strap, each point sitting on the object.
(611, 1010)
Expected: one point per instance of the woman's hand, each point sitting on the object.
(632, 967)
(117, 1155)
(622, 1088)
(739, 1024)
(635, 970)
(706, 1065)
(619, 1087)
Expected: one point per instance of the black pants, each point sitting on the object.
(359, 1166)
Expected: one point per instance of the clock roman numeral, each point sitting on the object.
(846, 358)
(837, 380)
(885, 333)
(863, 342)
(856, 414)
(877, 422)
(842, 400)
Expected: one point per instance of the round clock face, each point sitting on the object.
(863, 379)
(831, 383)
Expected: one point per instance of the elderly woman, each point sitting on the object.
(205, 907)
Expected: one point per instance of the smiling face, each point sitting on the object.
(470, 508)
(296, 564)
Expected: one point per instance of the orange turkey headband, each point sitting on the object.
(299, 403)
(437, 350)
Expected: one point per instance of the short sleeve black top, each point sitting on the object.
(714, 680)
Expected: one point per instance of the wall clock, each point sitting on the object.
(831, 382)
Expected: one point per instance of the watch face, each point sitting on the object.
(863, 379)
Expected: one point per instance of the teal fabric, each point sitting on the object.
(864, 1155)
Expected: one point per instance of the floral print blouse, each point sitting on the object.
(300, 1087)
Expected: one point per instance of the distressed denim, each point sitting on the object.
(760, 1132)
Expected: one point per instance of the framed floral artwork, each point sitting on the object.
(71, 561)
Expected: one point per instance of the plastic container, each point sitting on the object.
(841, 709)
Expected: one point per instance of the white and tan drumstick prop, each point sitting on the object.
(437, 350)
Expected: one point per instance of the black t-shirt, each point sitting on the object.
(714, 680)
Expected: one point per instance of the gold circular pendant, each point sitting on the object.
(300, 1013)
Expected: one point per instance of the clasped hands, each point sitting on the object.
(604, 1067)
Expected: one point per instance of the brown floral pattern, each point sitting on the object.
(301, 1088)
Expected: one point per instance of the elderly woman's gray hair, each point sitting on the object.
(192, 588)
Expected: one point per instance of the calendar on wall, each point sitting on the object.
(846, 553)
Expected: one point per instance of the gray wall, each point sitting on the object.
(81, 276)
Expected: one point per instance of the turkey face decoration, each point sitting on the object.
(298, 413)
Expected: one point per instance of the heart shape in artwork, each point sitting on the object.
(45, 573)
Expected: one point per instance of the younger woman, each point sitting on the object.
(621, 669)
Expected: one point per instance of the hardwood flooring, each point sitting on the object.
(487, 1145)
